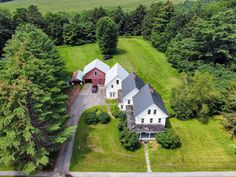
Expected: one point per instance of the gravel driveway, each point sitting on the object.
(84, 100)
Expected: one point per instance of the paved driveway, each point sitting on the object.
(84, 100)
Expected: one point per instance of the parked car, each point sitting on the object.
(94, 89)
(107, 57)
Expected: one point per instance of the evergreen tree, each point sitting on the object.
(107, 35)
(118, 16)
(33, 110)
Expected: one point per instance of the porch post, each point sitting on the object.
(149, 135)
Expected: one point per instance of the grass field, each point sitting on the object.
(134, 54)
(204, 148)
(97, 148)
(76, 5)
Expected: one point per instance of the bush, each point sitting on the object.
(129, 139)
(122, 124)
(91, 118)
(116, 112)
(103, 118)
(168, 139)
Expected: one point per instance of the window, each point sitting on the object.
(117, 82)
(110, 94)
(112, 86)
(142, 120)
(151, 120)
(95, 73)
(159, 120)
(149, 111)
(155, 111)
(113, 93)
(128, 101)
(121, 106)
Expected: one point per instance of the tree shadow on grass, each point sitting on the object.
(120, 51)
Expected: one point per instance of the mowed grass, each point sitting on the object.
(134, 54)
(97, 148)
(205, 147)
(77, 5)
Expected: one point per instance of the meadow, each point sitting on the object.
(76, 5)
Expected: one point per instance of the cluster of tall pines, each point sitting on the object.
(32, 104)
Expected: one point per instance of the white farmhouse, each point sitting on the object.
(148, 114)
(130, 87)
(113, 81)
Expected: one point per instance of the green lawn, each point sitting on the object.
(76, 5)
(97, 148)
(134, 54)
(204, 148)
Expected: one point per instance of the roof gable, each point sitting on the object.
(131, 82)
(96, 64)
(145, 98)
(116, 71)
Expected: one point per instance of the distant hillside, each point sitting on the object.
(77, 5)
(4, 0)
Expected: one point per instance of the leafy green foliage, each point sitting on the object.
(168, 139)
(32, 107)
(54, 26)
(6, 28)
(195, 97)
(129, 139)
(107, 35)
(91, 118)
(104, 117)
(116, 112)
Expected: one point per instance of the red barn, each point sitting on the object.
(95, 72)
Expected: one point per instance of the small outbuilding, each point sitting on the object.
(95, 72)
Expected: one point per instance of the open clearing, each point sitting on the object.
(77, 5)
(97, 148)
(205, 147)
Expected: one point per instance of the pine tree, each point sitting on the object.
(33, 111)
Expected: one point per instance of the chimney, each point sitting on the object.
(134, 75)
(151, 90)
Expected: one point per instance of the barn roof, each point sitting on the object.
(96, 64)
(131, 82)
(116, 70)
(145, 98)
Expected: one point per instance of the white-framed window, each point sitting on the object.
(151, 120)
(117, 82)
(112, 86)
(110, 94)
(149, 111)
(128, 101)
(159, 120)
(121, 106)
(155, 111)
(113, 94)
(95, 73)
(142, 120)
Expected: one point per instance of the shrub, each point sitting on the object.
(103, 118)
(129, 139)
(91, 118)
(116, 112)
(168, 139)
(122, 124)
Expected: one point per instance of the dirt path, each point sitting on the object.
(147, 157)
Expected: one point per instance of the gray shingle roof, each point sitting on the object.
(131, 82)
(145, 98)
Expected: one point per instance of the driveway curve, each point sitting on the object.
(84, 100)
